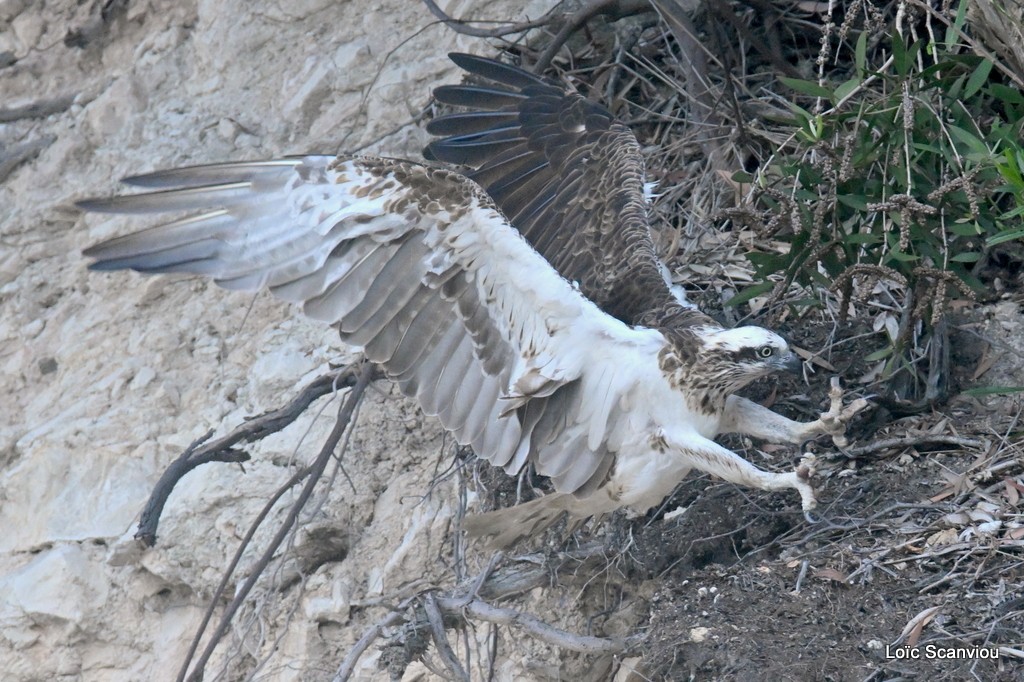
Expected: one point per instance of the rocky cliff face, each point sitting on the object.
(106, 378)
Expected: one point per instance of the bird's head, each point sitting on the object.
(736, 357)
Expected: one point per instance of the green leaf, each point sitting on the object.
(860, 54)
(742, 177)
(768, 263)
(844, 89)
(903, 55)
(971, 229)
(902, 257)
(806, 87)
(749, 293)
(977, 78)
(862, 238)
(1005, 237)
(899, 54)
(966, 257)
(953, 91)
(854, 201)
(973, 282)
(879, 354)
(954, 30)
(1007, 94)
(968, 139)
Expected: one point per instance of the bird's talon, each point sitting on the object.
(834, 421)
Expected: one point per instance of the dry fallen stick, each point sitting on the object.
(973, 547)
(910, 441)
(465, 602)
(437, 631)
(534, 626)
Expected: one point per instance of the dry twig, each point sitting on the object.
(15, 155)
(911, 441)
(466, 601)
(223, 450)
(465, 27)
(38, 109)
(313, 472)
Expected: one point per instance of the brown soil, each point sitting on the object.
(740, 587)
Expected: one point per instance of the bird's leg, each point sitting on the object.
(835, 420)
(747, 417)
(715, 459)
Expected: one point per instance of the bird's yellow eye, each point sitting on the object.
(765, 351)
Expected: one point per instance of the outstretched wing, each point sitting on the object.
(417, 266)
(569, 177)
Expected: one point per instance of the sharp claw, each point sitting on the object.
(835, 421)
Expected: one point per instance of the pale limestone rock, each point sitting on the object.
(105, 379)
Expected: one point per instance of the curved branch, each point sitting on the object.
(537, 628)
(222, 449)
(436, 620)
(463, 27)
(465, 601)
(616, 9)
(314, 472)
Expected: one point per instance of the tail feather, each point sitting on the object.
(505, 527)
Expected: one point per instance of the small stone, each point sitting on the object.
(227, 129)
(142, 378)
(32, 329)
(28, 28)
(699, 634)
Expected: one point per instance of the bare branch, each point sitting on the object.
(534, 626)
(15, 155)
(616, 9)
(222, 449)
(466, 601)
(38, 109)
(348, 665)
(568, 24)
(464, 27)
(314, 472)
(436, 620)
(910, 441)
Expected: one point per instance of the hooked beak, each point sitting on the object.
(791, 363)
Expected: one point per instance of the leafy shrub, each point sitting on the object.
(897, 178)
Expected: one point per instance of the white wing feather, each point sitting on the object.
(417, 266)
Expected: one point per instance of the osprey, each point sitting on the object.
(521, 302)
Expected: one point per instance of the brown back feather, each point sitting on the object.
(569, 177)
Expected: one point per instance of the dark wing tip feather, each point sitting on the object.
(479, 96)
(210, 174)
(496, 71)
(142, 254)
(463, 123)
(94, 205)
